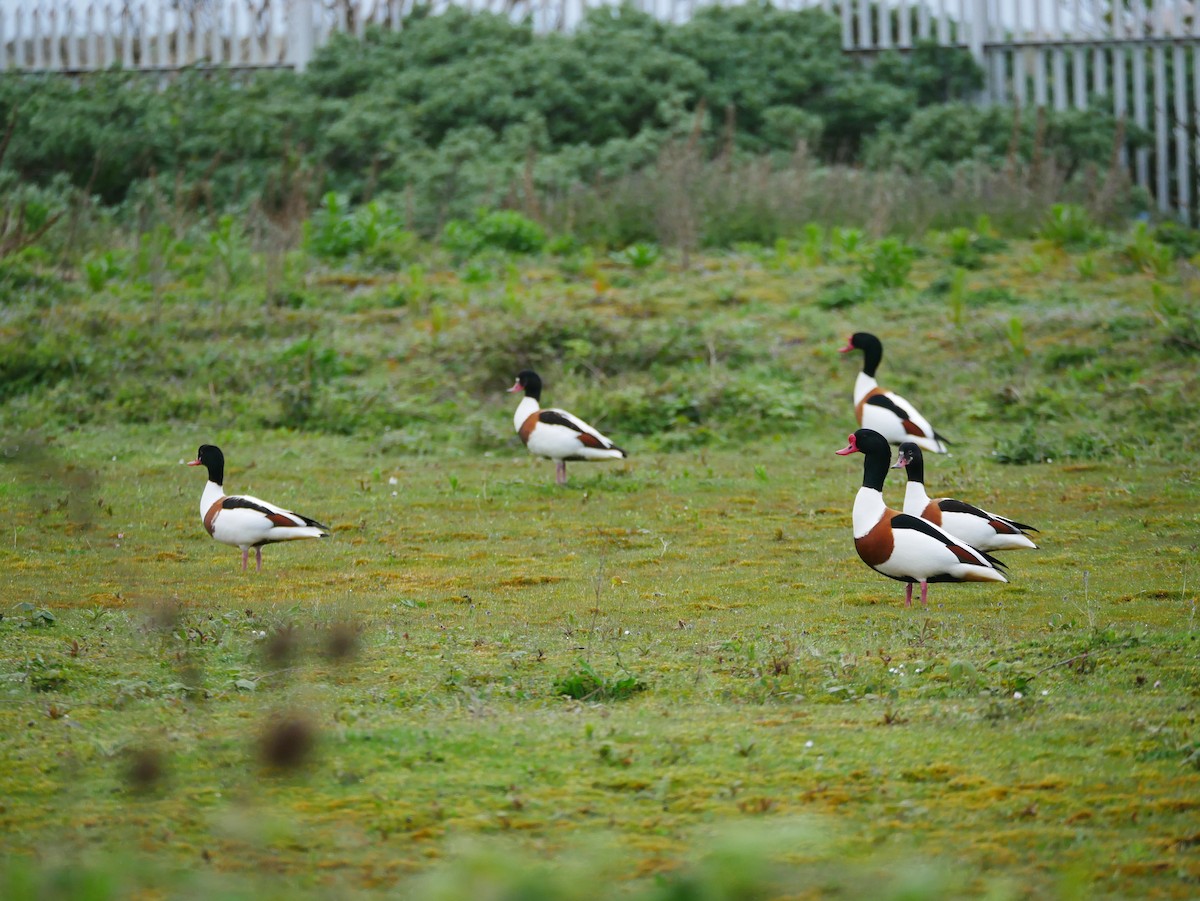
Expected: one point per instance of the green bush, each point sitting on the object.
(500, 230)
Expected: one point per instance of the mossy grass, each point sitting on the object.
(395, 709)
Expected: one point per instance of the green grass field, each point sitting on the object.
(672, 678)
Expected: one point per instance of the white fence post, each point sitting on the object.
(977, 31)
(300, 34)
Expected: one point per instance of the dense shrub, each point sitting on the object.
(629, 129)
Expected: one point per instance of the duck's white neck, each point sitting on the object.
(868, 509)
(863, 384)
(212, 493)
(915, 498)
(526, 408)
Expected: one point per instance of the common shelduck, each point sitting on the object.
(980, 529)
(902, 546)
(882, 411)
(556, 434)
(244, 521)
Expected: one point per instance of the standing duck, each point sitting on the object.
(244, 521)
(882, 411)
(556, 434)
(980, 529)
(902, 546)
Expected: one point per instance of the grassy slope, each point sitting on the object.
(1036, 737)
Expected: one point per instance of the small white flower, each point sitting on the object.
(1045, 691)
(395, 494)
(1018, 695)
(393, 481)
(626, 631)
(808, 744)
(1158, 683)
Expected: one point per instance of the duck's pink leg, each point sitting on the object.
(924, 594)
(908, 595)
(560, 472)
(245, 557)
(258, 557)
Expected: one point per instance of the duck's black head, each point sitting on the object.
(911, 459)
(867, 441)
(210, 456)
(871, 347)
(878, 453)
(529, 382)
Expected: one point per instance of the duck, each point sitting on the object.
(902, 546)
(556, 434)
(243, 521)
(885, 412)
(980, 529)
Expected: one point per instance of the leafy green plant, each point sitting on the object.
(1178, 313)
(1068, 225)
(586, 684)
(641, 255)
(957, 297)
(1014, 330)
(1144, 253)
(887, 265)
(813, 244)
(338, 229)
(1086, 266)
(841, 294)
(1183, 242)
(845, 242)
(499, 230)
(100, 269)
(967, 248)
(229, 250)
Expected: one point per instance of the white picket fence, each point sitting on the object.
(1127, 56)
(78, 36)
(1130, 56)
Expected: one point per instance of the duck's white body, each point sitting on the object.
(892, 416)
(980, 529)
(557, 434)
(245, 527)
(560, 435)
(917, 554)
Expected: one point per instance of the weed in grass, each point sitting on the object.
(845, 242)
(957, 297)
(1143, 253)
(1014, 331)
(886, 265)
(841, 294)
(586, 684)
(100, 269)
(1087, 266)
(1069, 226)
(967, 249)
(1178, 313)
(640, 255)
